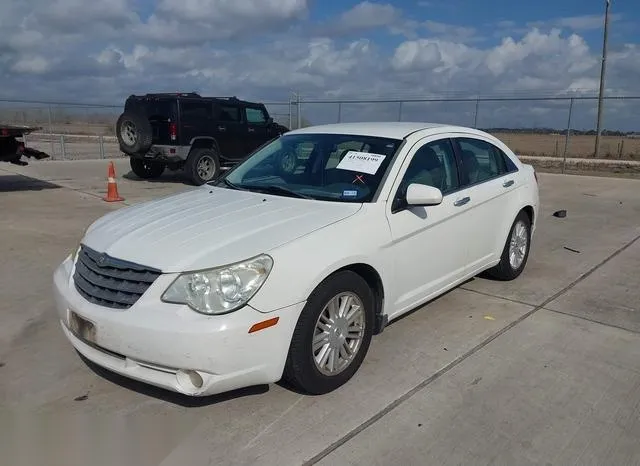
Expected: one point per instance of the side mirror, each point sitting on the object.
(423, 195)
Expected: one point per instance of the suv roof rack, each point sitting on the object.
(173, 94)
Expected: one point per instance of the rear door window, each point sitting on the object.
(158, 109)
(229, 114)
(196, 110)
(482, 161)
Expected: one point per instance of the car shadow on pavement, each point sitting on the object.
(168, 396)
(18, 183)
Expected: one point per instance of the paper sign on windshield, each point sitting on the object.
(363, 162)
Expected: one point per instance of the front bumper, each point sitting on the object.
(156, 342)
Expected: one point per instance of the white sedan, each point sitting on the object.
(287, 265)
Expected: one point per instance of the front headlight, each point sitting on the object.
(220, 290)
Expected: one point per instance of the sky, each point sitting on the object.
(101, 51)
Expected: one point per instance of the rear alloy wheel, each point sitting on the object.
(203, 165)
(516, 250)
(146, 169)
(332, 335)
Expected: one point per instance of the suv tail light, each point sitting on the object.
(173, 131)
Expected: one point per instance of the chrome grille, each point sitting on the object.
(110, 282)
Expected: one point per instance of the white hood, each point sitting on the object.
(207, 227)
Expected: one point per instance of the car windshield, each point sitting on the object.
(332, 167)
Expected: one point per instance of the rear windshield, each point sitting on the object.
(161, 109)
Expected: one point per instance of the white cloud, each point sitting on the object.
(265, 49)
(223, 11)
(449, 31)
(369, 15)
(537, 62)
(31, 65)
(362, 17)
(578, 23)
(196, 21)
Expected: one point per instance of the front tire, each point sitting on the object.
(516, 250)
(146, 169)
(332, 336)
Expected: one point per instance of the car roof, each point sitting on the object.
(386, 129)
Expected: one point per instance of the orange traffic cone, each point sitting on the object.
(112, 187)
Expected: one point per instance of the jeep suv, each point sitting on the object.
(187, 131)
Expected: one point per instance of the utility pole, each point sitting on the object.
(299, 105)
(602, 75)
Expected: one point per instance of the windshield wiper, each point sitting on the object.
(274, 189)
(231, 185)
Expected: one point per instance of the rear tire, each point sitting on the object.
(516, 250)
(202, 166)
(134, 133)
(306, 368)
(146, 169)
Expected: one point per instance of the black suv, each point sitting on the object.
(187, 131)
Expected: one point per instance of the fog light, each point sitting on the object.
(189, 379)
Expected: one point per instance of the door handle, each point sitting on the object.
(461, 202)
(506, 184)
(222, 128)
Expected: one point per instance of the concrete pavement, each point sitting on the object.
(536, 371)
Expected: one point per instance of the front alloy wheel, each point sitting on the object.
(338, 334)
(332, 336)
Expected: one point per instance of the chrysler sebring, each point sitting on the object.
(287, 265)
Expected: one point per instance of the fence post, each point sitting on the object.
(339, 112)
(298, 103)
(290, 113)
(475, 116)
(63, 151)
(53, 148)
(566, 141)
(101, 139)
(400, 111)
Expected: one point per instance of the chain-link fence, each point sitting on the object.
(538, 126)
(542, 126)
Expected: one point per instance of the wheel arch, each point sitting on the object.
(527, 209)
(205, 142)
(370, 275)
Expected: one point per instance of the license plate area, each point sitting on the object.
(82, 328)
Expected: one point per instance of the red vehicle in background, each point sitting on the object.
(12, 148)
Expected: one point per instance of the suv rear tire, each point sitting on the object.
(146, 169)
(134, 133)
(202, 166)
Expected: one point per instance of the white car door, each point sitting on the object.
(488, 178)
(428, 243)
